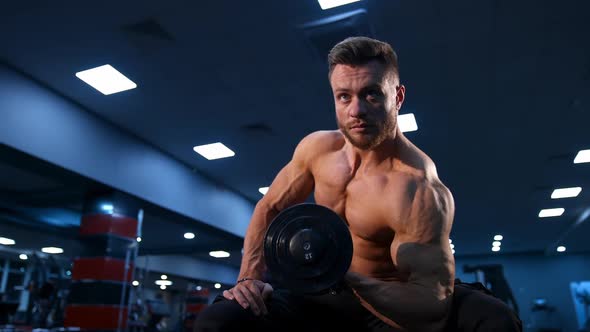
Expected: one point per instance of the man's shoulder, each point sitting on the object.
(322, 141)
(424, 172)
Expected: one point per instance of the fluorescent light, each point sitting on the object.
(107, 208)
(164, 282)
(138, 239)
(327, 4)
(498, 237)
(495, 248)
(566, 192)
(496, 244)
(217, 285)
(189, 235)
(219, 254)
(583, 156)
(551, 212)
(52, 250)
(106, 79)
(407, 122)
(135, 283)
(163, 277)
(560, 249)
(23, 257)
(214, 151)
(263, 190)
(162, 287)
(6, 241)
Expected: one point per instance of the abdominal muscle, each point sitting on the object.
(374, 260)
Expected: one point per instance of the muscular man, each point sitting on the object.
(399, 213)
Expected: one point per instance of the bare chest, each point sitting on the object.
(373, 205)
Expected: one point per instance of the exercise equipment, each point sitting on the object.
(307, 249)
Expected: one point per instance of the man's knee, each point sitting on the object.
(224, 315)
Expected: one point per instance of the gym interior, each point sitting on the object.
(113, 219)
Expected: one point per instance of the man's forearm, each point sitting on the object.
(253, 265)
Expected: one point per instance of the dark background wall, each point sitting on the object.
(537, 276)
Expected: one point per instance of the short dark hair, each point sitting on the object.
(356, 51)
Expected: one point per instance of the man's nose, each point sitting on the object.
(357, 108)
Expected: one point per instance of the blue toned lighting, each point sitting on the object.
(495, 249)
(214, 151)
(107, 208)
(106, 79)
(560, 249)
(498, 237)
(327, 4)
(189, 235)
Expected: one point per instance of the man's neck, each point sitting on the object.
(387, 150)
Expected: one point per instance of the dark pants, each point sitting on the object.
(474, 309)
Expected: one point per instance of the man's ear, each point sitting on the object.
(400, 95)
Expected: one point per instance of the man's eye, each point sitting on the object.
(344, 98)
(374, 94)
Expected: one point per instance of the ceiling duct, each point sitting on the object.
(321, 35)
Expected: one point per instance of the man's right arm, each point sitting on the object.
(292, 185)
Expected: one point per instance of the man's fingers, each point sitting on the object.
(257, 296)
(228, 295)
(246, 299)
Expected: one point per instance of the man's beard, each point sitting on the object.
(385, 130)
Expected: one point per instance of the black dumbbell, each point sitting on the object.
(307, 249)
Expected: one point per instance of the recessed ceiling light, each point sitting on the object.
(163, 282)
(566, 192)
(452, 246)
(583, 156)
(551, 212)
(217, 285)
(52, 250)
(453, 250)
(327, 4)
(214, 151)
(219, 254)
(263, 190)
(6, 241)
(23, 257)
(106, 79)
(407, 122)
(163, 277)
(108, 208)
(138, 239)
(135, 283)
(450, 241)
(560, 249)
(199, 287)
(496, 244)
(162, 287)
(189, 235)
(495, 248)
(498, 237)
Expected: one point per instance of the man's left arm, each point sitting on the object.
(421, 250)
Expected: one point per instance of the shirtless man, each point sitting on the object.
(399, 213)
